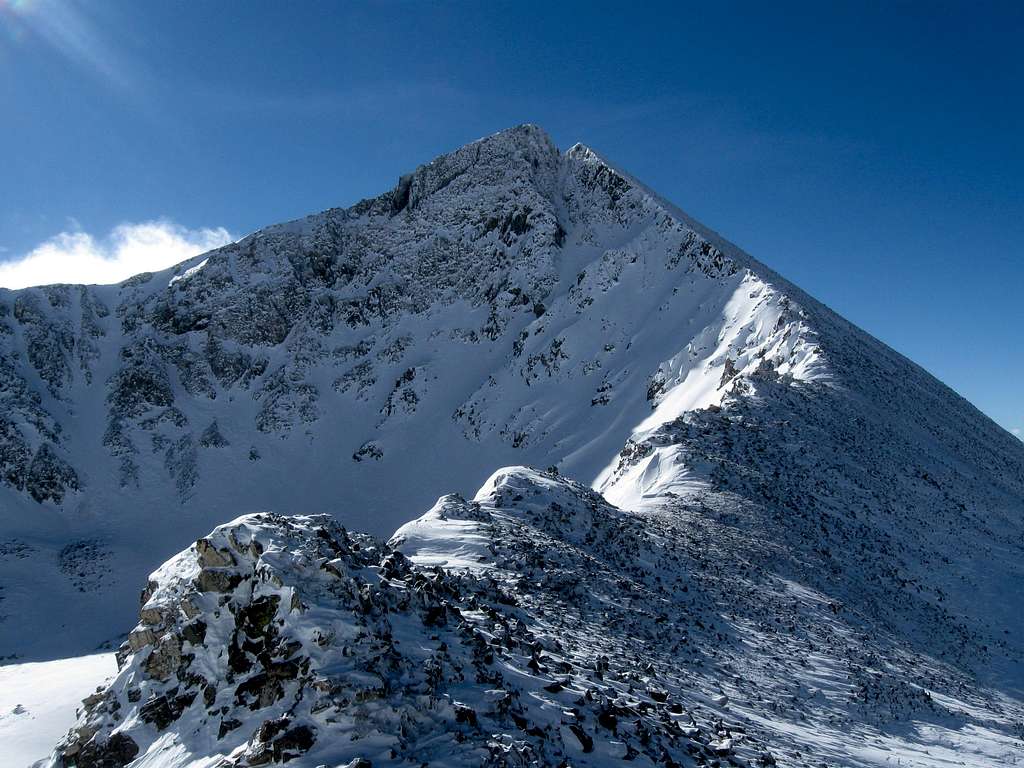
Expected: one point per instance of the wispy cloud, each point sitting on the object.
(75, 31)
(1017, 431)
(79, 257)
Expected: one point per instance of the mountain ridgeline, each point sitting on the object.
(755, 534)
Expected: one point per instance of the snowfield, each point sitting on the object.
(677, 511)
(38, 702)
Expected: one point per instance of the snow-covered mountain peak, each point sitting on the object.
(721, 458)
(521, 155)
(527, 139)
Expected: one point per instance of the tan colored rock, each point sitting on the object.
(140, 638)
(90, 701)
(164, 660)
(189, 608)
(210, 580)
(211, 557)
(153, 616)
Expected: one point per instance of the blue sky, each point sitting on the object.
(871, 152)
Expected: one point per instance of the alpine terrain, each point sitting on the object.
(513, 465)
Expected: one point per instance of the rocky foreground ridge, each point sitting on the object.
(545, 637)
(535, 625)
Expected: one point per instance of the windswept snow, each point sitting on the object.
(187, 273)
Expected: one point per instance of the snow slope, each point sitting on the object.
(38, 702)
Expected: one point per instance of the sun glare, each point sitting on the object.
(16, 6)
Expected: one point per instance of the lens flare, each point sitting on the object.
(16, 6)
(12, 23)
(70, 29)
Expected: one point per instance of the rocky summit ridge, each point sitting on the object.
(761, 537)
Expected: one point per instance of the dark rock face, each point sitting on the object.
(212, 438)
(279, 744)
(14, 455)
(115, 752)
(368, 450)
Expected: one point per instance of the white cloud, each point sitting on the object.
(1016, 431)
(78, 257)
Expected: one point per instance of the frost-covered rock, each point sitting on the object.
(49, 477)
(290, 640)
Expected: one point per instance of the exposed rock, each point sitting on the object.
(115, 752)
(275, 683)
(139, 639)
(210, 580)
(210, 557)
(164, 660)
(212, 438)
(50, 477)
(368, 450)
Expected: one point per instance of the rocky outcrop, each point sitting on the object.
(291, 640)
(49, 477)
(535, 624)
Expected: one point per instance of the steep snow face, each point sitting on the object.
(506, 303)
(888, 492)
